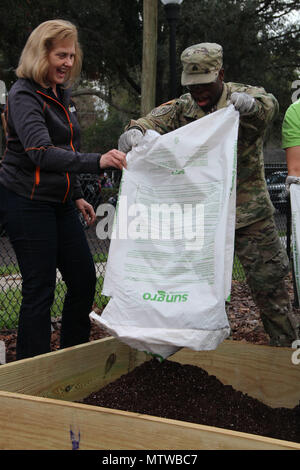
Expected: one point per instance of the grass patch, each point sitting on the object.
(6, 270)
(100, 257)
(10, 303)
(238, 273)
(10, 299)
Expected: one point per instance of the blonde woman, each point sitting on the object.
(39, 190)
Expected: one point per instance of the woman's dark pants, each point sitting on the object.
(47, 236)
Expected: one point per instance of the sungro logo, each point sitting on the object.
(162, 296)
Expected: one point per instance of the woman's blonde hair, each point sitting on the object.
(34, 63)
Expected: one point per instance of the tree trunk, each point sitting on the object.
(149, 55)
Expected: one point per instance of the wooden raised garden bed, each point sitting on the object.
(38, 395)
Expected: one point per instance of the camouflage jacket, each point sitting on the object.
(253, 200)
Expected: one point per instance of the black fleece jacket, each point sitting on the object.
(42, 157)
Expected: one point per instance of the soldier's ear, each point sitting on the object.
(221, 74)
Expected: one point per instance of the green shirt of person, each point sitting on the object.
(291, 142)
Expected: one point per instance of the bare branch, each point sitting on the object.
(279, 36)
(103, 96)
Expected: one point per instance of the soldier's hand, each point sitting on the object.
(291, 180)
(242, 102)
(129, 139)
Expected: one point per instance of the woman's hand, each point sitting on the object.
(113, 158)
(87, 211)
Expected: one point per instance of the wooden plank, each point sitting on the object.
(71, 373)
(263, 372)
(34, 423)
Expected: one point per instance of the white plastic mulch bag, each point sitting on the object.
(295, 209)
(171, 253)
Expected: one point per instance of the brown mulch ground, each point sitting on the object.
(10, 338)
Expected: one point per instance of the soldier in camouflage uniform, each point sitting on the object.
(256, 243)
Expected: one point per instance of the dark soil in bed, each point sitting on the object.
(189, 393)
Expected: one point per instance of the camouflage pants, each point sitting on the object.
(266, 264)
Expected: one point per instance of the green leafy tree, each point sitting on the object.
(260, 46)
(103, 134)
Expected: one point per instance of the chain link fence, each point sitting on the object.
(10, 278)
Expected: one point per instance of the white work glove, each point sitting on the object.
(129, 139)
(242, 102)
(291, 180)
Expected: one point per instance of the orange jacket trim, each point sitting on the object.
(37, 179)
(71, 141)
